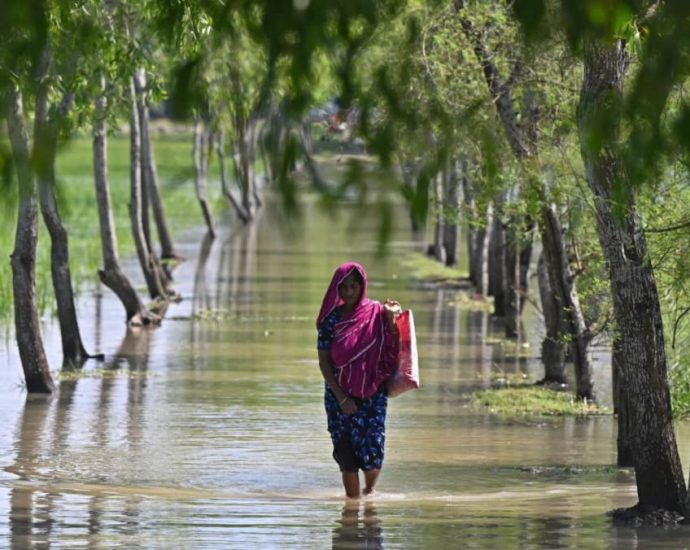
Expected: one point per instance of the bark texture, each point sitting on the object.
(46, 128)
(561, 281)
(200, 156)
(23, 259)
(150, 172)
(621, 408)
(439, 250)
(552, 347)
(152, 275)
(225, 184)
(451, 229)
(111, 275)
(643, 372)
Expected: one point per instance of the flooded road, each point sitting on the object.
(209, 432)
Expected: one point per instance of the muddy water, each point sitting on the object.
(209, 432)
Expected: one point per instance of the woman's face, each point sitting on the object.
(350, 290)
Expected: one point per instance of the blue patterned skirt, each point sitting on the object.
(358, 439)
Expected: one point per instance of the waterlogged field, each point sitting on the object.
(209, 431)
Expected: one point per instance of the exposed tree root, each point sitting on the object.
(644, 515)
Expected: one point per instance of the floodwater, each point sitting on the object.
(209, 431)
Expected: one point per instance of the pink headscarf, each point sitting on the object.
(363, 350)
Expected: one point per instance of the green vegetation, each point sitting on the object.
(534, 401)
(424, 268)
(67, 375)
(78, 206)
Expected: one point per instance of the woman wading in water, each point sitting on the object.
(358, 350)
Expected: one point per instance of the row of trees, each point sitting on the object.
(544, 113)
(522, 105)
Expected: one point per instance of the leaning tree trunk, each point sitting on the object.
(308, 153)
(23, 259)
(111, 275)
(200, 158)
(45, 146)
(149, 171)
(153, 277)
(225, 185)
(643, 373)
(553, 347)
(243, 162)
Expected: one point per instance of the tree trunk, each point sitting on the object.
(152, 276)
(644, 381)
(200, 157)
(553, 346)
(149, 171)
(112, 275)
(45, 148)
(239, 210)
(451, 229)
(308, 152)
(244, 161)
(517, 256)
(439, 250)
(478, 239)
(497, 270)
(407, 168)
(621, 408)
(561, 281)
(23, 259)
(270, 140)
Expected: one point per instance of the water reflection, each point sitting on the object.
(26, 523)
(48, 439)
(209, 431)
(358, 527)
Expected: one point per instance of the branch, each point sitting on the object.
(650, 13)
(676, 227)
(675, 326)
(498, 89)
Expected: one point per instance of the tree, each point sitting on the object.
(27, 327)
(658, 471)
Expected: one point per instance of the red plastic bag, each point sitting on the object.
(406, 376)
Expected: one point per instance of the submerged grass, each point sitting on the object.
(427, 270)
(67, 375)
(530, 400)
(422, 267)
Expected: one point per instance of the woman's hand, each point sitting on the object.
(348, 406)
(392, 309)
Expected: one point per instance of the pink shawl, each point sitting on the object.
(363, 350)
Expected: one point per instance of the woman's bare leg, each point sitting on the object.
(370, 477)
(351, 484)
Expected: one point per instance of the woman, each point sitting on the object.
(358, 350)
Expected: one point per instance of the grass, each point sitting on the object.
(530, 400)
(67, 375)
(77, 202)
(422, 267)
